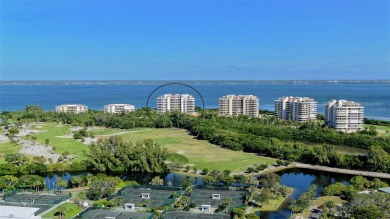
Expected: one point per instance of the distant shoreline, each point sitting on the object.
(133, 82)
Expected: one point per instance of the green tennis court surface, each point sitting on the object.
(157, 197)
(36, 198)
(186, 215)
(205, 197)
(115, 214)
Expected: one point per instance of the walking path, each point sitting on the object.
(344, 171)
(318, 167)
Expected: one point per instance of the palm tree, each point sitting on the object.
(37, 184)
(61, 210)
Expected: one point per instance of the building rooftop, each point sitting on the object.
(385, 189)
(17, 212)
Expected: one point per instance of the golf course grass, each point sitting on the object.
(381, 129)
(8, 148)
(60, 144)
(200, 153)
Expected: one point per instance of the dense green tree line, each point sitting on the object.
(115, 155)
(29, 182)
(359, 205)
(228, 133)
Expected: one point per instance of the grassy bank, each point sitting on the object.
(71, 210)
(273, 204)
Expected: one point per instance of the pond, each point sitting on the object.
(301, 180)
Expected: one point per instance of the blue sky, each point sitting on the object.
(181, 40)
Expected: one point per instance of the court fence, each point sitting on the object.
(37, 198)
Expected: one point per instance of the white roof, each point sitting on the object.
(18, 212)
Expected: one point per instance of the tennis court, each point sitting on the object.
(186, 215)
(92, 214)
(36, 198)
(157, 197)
(205, 197)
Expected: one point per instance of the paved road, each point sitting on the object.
(344, 171)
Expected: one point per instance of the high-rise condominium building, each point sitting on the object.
(72, 108)
(301, 109)
(184, 103)
(118, 108)
(343, 115)
(232, 105)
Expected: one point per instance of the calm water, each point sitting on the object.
(374, 97)
(301, 180)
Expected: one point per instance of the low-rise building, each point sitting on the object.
(72, 108)
(301, 109)
(119, 108)
(232, 105)
(344, 115)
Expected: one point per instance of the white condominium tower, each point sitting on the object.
(343, 115)
(118, 108)
(232, 105)
(301, 109)
(184, 103)
(72, 108)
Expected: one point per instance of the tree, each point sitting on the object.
(47, 142)
(185, 182)
(239, 212)
(263, 196)
(329, 204)
(37, 184)
(50, 160)
(157, 181)
(208, 180)
(101, 188)
(61, 211)
(269, 179)
(378, 159)
(360, 183)
(8, 182)
(13, 131)
(226, 172)
(368, 212)
(65, 153)
(195, 169)
(205, 171)
(61, 183)
(252, 216)
(82, 196)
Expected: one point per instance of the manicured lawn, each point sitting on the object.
(72, 210)
(109, 131)
(8, 148)
(381, 129)
(201, 153)
(273, 204)
(61, 144)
